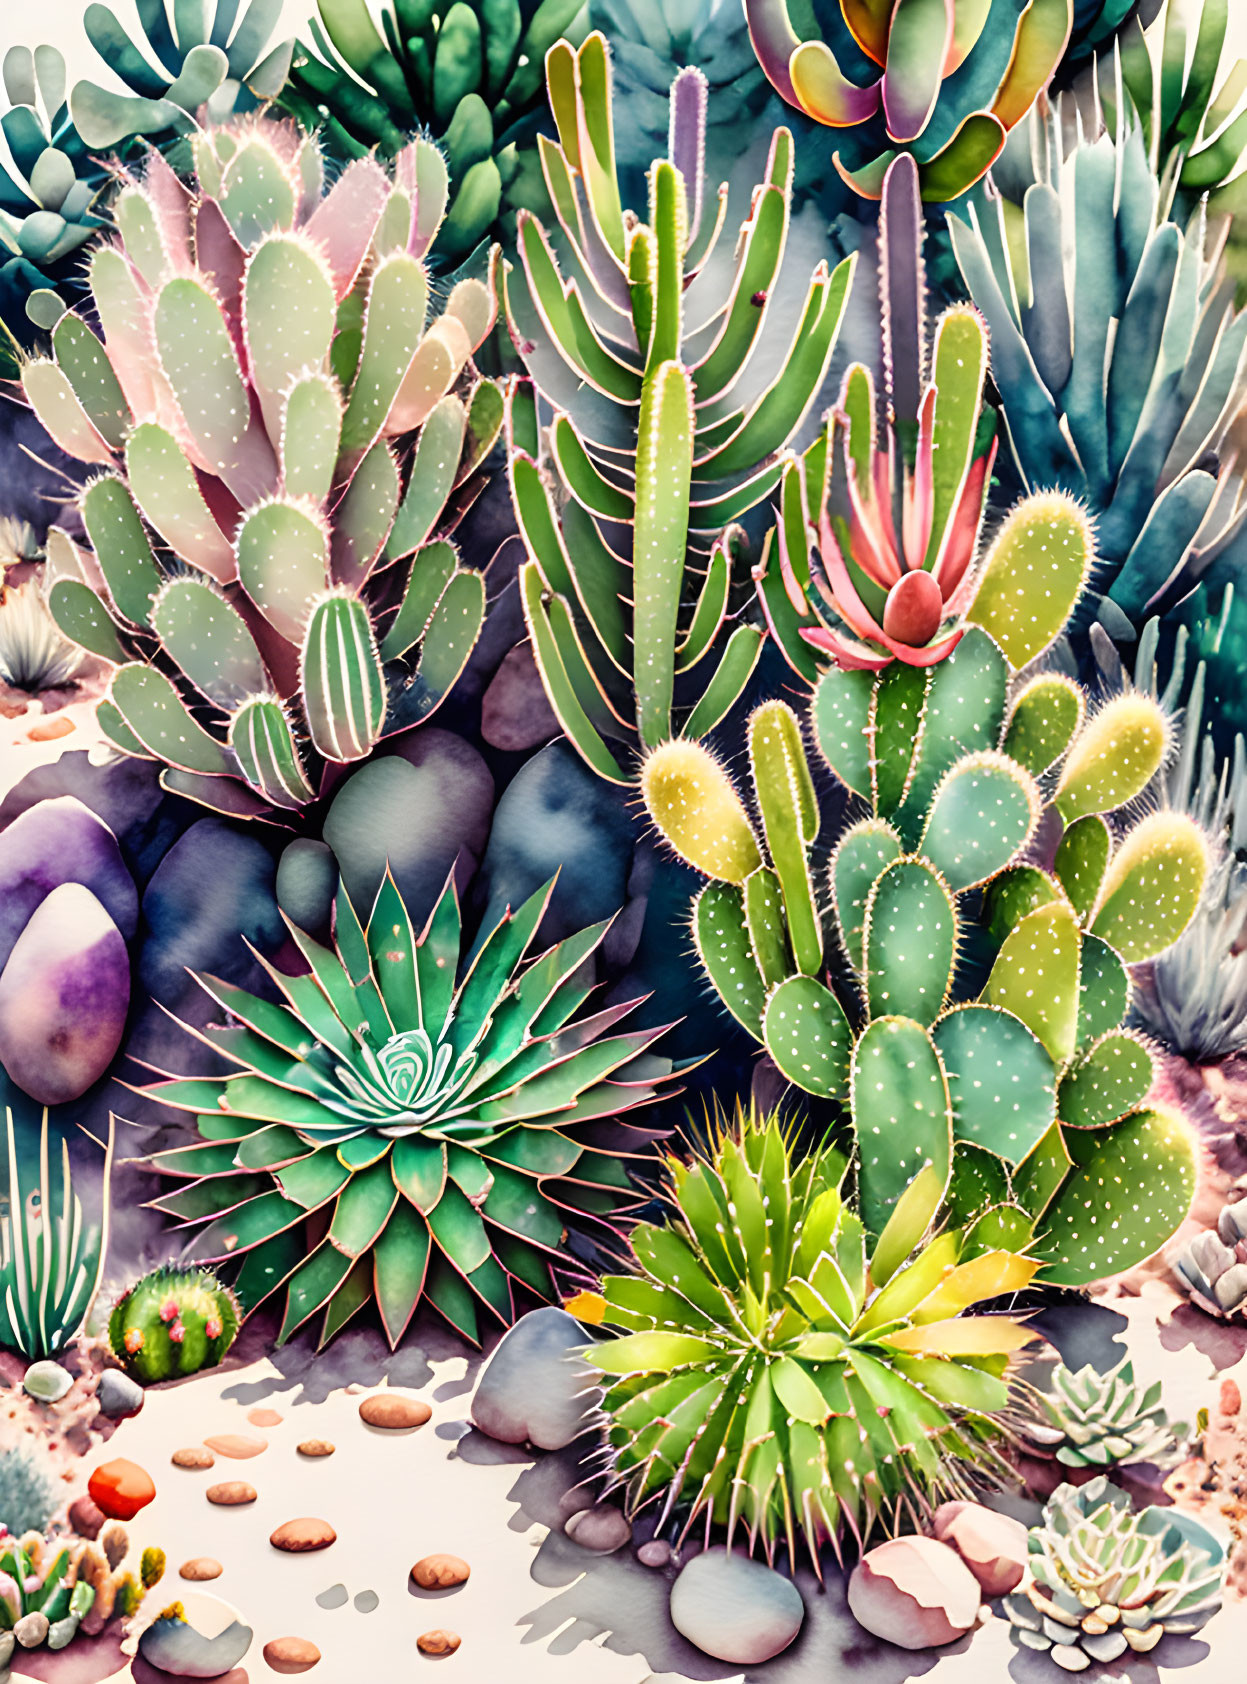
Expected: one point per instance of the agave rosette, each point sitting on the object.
(781, 1372)
(439, 1135)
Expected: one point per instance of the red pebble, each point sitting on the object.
(120, 1489)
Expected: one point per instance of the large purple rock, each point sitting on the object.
(55, 842)
(64, 996)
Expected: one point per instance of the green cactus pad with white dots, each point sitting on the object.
(895, 734)
(1036, 977)
(909, 942)
(87, 368)
(1116, 756)
(1038, 1178)
(785, 796)
(165, 488)
(209, 640)
(343, 685)
(283, 562)
(1103, 990)
(1000, 1079)
(764, 918)
(1019, 890)
(983, 813)
(1111, 1077)
(808, 1035)
(198, 359)
(901, 1113)
(1043, 719)
(978, 1181)
(1033, 575)
(158, 717)
(723, 946)
(963, 715)
(861, 854)
(264, 745)
(695, 805)
(1081, 861)
(1153, 886)
(841, 717)
(121, 547)
(1130, 1188)
(81, 615)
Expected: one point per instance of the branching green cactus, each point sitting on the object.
(272, 573)
(1009, 1074)
(675, 398)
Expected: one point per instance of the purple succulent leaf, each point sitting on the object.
(687, 142)
(902, 291)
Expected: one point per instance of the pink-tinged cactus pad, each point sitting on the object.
(64, 995)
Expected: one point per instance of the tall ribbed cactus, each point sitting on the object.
(272, 573)
(874, 556)
(942, 79)
(992, 1051)
(675, 397)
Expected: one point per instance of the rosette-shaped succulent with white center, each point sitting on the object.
(1213, 1266)
(1098, 1420)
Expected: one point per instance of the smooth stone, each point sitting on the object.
(86, 1519)
(316, 1447)
(201, 1567)
(601, 1530)
(31, 1630)
(60, 840)
(993, 1546)
(657, 1553)
(367, 1602)
(267, 1418)
(300, 1537)
(118, 1396)
(438, 1642)
(197, 1637)
(7, 1645)
(120, 1489)
(335, 1597)
(291, 1654)
(193, 1456)
(237, 1447)
(47, 1382)
(531, 1390)
(231, 1493)
(394, 1411)
(734, 1608)
(914, 1592)
(440, 1572)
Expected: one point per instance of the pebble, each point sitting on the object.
(118, 1396)
(291, 1654)
(31, 1630)
(914, 1592)
(120, 1489)
(394, 1410)
(231, 1493)
(201, 1567)
(194, 1456)
(993, 1546)
(316, 1447)
(198, 1636)
(734, 1608)
(438, 1642)
(47, 1382)
(238, 1447)
(269, 1418)
(440, 1572)
(531, 1390)
(601, 1530)
(657, 1553)
(300, 1537)
(85, 1518)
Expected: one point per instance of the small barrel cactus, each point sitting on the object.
(1104, 1581)
(1098, 1420)
(173, 1322)
(1213, 1266)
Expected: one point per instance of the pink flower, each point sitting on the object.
(212, 1328)
(169, 1309)
(134, 1340)
(177, 1333)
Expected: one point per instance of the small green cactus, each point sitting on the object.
(173, 1322)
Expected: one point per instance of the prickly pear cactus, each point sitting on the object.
(273, 574)
(981, 1032)
(173, 1322)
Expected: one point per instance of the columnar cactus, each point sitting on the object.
(779, 1370)
(1010, 1074)
(945, 81)
(467, 72)
(439, 1118)
(665, 430)
(173, 1322)
(273, 575)
(1104, 1581)
(1099, 1420)
(874, 556)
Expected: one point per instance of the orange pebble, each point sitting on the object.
(120, 1489)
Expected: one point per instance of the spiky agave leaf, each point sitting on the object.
(410, 1124)
(777, 1372)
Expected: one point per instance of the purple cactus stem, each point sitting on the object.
(902, 288)
(687, 144)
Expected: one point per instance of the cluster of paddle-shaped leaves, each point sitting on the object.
(975, 1021)
(467, 74)
(675, 393)
(944, 80)
(781, 1369)
(412, 1119)
(272, 574)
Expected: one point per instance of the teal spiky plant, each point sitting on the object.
(677, 387)
(272, 572)
(173, 1322)
(51, 1261)
(977, 1021)
(780, 1371)
(410, 1121)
